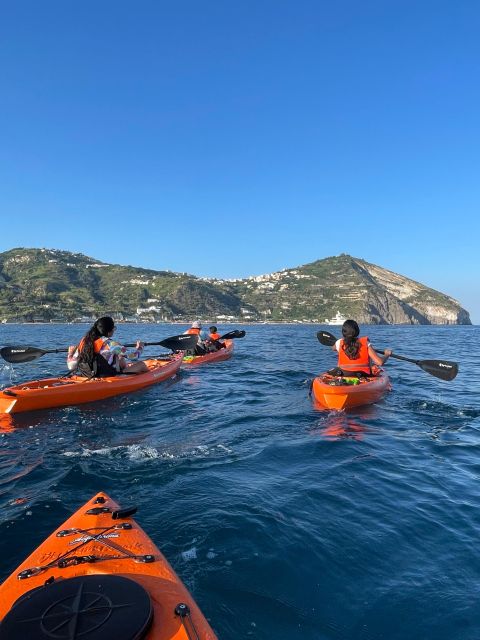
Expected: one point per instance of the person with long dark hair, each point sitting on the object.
(356, 354)
(100, 356)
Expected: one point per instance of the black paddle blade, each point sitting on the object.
(21, 354)
(233, 334)
(183, 342)
(442, 369)
(326, 338)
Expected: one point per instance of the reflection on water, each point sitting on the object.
(338, 427)
(352, 424)
(7, 423)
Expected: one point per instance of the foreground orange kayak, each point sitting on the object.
(332, 392)
(61, 392)
(99, 577)
(214, 356)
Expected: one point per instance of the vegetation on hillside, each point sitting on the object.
(50, 285)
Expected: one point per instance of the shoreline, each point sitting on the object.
(239, 322)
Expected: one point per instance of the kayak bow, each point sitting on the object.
(99, 576)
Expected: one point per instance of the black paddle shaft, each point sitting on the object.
(20, 354)
(442, 369)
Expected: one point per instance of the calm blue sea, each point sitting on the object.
(285, 522)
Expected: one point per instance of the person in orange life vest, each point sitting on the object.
(214, 335)
(214, 339)
(355, 355)
(102, 355)
(196, 330)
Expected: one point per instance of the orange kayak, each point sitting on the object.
(61, 392)
(214, 356)
(331, 392)
(99, 576)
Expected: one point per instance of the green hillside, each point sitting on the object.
(41, 285)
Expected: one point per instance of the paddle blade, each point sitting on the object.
(442, 369)
(326, 338)
(233, 334)
(21, 354)
(183, 342)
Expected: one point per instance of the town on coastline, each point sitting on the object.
(153, 315)
(337, 320)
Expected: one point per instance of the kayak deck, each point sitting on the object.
(213, 356)
(331, 392)
(61, 392)
(100, 540)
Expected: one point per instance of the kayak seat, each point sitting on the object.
(336, 371)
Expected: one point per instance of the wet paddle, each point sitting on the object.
(19, 354)
(443, 369)
(232, 334)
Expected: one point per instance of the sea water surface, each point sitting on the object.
(284, 521)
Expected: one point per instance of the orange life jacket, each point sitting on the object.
(193, 331)
(215, 336)
(361, 362)
(97, 345)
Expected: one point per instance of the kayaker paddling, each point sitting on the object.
(214, 341)
(99, 355)
(214, 335)
(196, 330)
(356, 354)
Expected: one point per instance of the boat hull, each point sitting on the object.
(329, 393)
(214, 356)
(62, 392)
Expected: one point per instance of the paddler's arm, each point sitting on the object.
(135, 355)
(377, 358)
(112, 348)
(336, 346)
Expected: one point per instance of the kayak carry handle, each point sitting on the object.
(96, 511)
(119, 514)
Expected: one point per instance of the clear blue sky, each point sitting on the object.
(237, 138)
